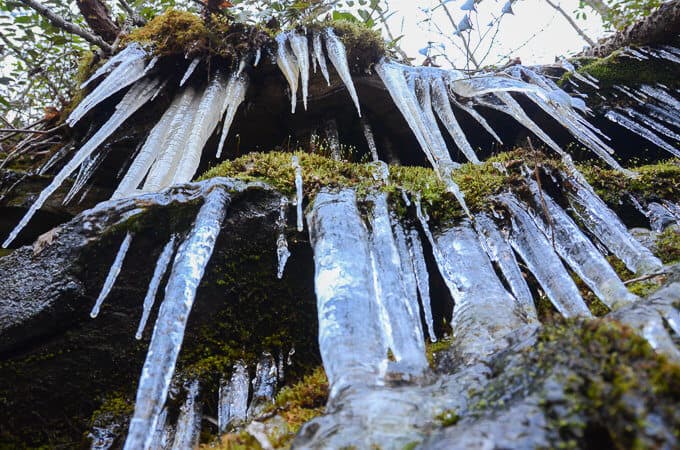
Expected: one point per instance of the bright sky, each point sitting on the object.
(553, 34)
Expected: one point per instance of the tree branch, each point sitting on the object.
(96, 15)
(571, 21)
(72, 28)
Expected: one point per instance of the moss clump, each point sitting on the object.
(116, 408)
(432, 349)
(668, 245)
(613, 385)
(184, 33)
(654, 181)
(448, 418)
(617, 69)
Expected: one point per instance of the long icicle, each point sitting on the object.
(112, 275)
(238, 84)
(286, 61)
(319, 56)
(136, 97)
(187, 271)
(338, 56)
(300, 48)
(415, 248)
(158, 273)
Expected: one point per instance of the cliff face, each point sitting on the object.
(413, 258)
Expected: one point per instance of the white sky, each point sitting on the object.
(554, 35)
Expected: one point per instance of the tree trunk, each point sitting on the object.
(656, 28)
(96, 15)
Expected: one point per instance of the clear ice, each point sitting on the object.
(187, 271)
(159, 271)
(299, 195)
(300, 47)
(233, 398)
(338, 56)
(112, 275)
(282, 252)
(188, 429)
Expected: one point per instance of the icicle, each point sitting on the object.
(659, 216)
(112, 275)
(669, 116)
(370, 141)
(510, 107)
(338, 56)
(56, 157)
(258, 55)
(641, 131)
(233, 398)
(280, 368)
(299, 196)
(163, 169)
(282, 252)
(131, 67)
(401, 323)
(300, 47)
(264, 385)
(656, 126)
(579, 253)
(445, 113)
(236, 93)
(500, 251)
(216, 98)
(319, 56)
(415, 249)
(189, 421)
(286, 61)
(136, 97)
(156, 144)
(330, 131)
(484, 312)
(478, 117)
(189, 71)
(605, 225)
(539, 256)
(161, 436)
(128, 55)
(87, 169)
(350, 344)
(187, 271)
(421, 87)
(158, 273)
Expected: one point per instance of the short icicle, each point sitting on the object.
(401, 326)
(233, 398)
(189, 71)
(282, 252)
(300, 47)
(113, 275)
(187, 271)
(299, 195)
(501, 253)
(136, 97)
(264, 385)
(159, 271)
(538, 254)
(338, 56)
(370, 140)
(189, 421)
(351, 346)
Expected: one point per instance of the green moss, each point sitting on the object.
(433, 348)
(654, 181)
(448, 418)
(668, 245)
(616, 69)
(116, 408)
(5, 251)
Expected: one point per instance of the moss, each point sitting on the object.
(235, 441)
(86, 67)
(668, 245)
(5, 251)
(432, 349)
(654, 181)
(116, 408)
(448, 418)
(617, 69)
(184, 33)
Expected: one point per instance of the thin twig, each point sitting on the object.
(645, 277)
(63, 24)
(15, 130)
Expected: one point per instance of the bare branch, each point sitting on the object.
(60, 22)
(571, 21)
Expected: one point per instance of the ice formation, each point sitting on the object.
(233, 398)
(166, 340)
(299, 195)
(114, 271)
